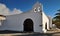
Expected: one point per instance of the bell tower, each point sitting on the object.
(37, 7)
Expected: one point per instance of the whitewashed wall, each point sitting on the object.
(45, 20)
(15, 22)
(50, 21)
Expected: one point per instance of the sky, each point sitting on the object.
(50, 7)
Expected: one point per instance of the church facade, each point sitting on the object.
(34, 20)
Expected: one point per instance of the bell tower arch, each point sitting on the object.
(37, 7)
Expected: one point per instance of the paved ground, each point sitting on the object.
(31, 34)
(49, 33)
(26, 34)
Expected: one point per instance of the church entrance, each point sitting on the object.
(28, 25)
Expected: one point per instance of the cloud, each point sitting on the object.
(16, 11)
(6, 11)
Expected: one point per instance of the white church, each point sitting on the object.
(34, 20)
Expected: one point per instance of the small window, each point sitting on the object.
(46, 25)
(41, 13)
(40, 25)
(35, 9)
(38, 9)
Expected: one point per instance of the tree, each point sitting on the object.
(56, 19)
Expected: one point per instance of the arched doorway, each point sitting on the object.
(28, 25)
